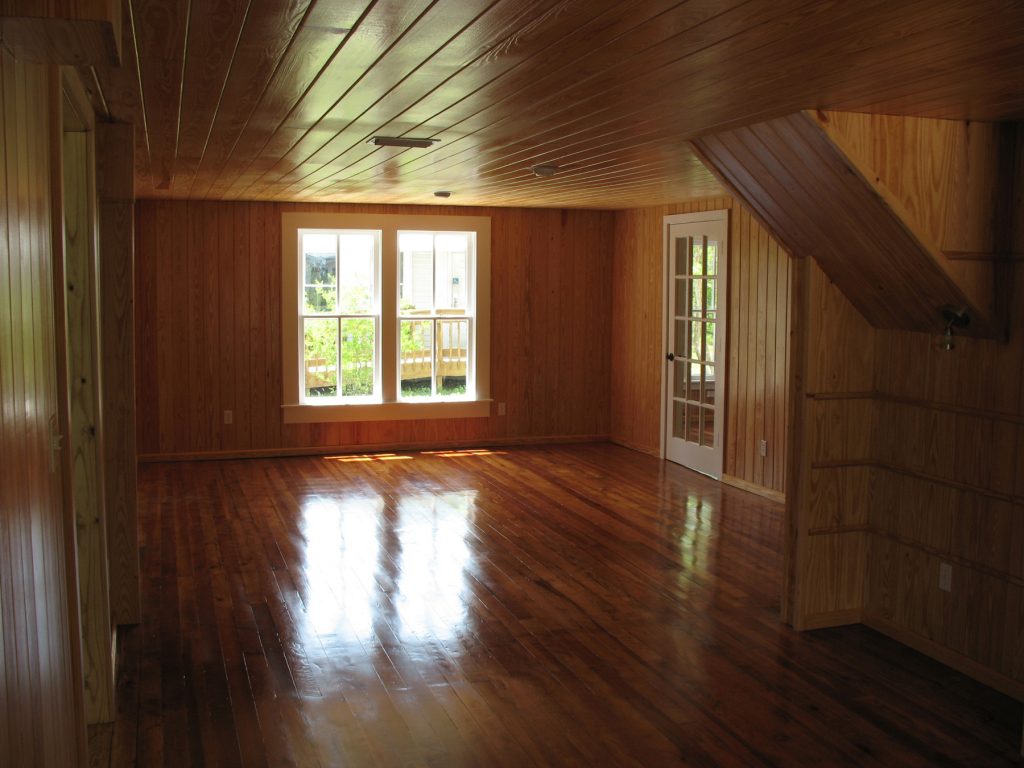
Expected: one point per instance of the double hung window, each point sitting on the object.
(384, 317)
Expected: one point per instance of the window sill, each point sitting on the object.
(454, 409)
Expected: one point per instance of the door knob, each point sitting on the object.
(670, 356)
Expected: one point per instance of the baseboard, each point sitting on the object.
(635, 447)
(749, 487)
(319, 450)
(959, 662)
(830, 619)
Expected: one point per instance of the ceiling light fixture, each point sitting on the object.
(544, 171)
(442, 193)
(402, 141)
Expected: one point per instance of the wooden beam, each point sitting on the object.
(86, 438)
(77, 32)
(114, 180)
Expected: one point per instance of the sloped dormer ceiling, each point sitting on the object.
(234, 99)
(881, 203)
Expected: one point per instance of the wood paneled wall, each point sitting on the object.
(949, 488)
(833, 353)
(758, 301)
(911, 456)
(39, 721)
(208, 331)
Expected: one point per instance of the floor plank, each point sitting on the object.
(566, 605)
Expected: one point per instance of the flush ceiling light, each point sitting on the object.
(544, 171)
(402, 141)
(442, 193)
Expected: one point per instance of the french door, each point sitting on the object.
(695, 279)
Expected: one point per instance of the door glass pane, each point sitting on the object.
(680, 307)
(697, 258)
(682, 346)
(712, 257)
(416, 354)
(680, 384)
(451, 260)
(682, 255)
(696, 340)
(320, 356)
(708, 382)
(356, 283)
(694, 391)
(320, 272)
(358, 349)
(697, 288)
(712, 294)
(709, 341)
(415, 272)
(678, 419)
(692, 423)
(452, 356)
(708, 427)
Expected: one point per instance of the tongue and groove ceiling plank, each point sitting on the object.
(238, 99)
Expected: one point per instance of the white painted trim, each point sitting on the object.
(721, 363)
(436, 409)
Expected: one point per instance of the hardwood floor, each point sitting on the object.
(572, 605)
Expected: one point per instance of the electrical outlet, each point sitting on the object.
(501, 409)
(945, 577)
(763, 448)
(229, 417)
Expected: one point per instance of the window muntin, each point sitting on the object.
(340, 318)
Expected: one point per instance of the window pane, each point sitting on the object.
(697, 288)
(708, 431)
(712, 257)
(452, 356)
(415, 356)
(320, 356)
(680, 384)
(682, 345)
(451, 273)
(678, 419)
(697, 258)
(692, 423)
(708, 389)
(712, 294)
(682, 255)
(358, 350)
(679, 307)
(320, 272)
(415, 273)
(695, 342)
(709, 341)
(357, 265)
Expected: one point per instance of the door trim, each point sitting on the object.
(720, 215)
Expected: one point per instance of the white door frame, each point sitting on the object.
(721, 215)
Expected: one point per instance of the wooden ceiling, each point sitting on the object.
(242, 99)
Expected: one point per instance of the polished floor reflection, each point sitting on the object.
(578, 605)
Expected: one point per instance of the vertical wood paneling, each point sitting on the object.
(950, 450)
(834, 413)
(755, 388)
(211, 273)
(39, 724)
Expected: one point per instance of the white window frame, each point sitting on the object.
(389, 406)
